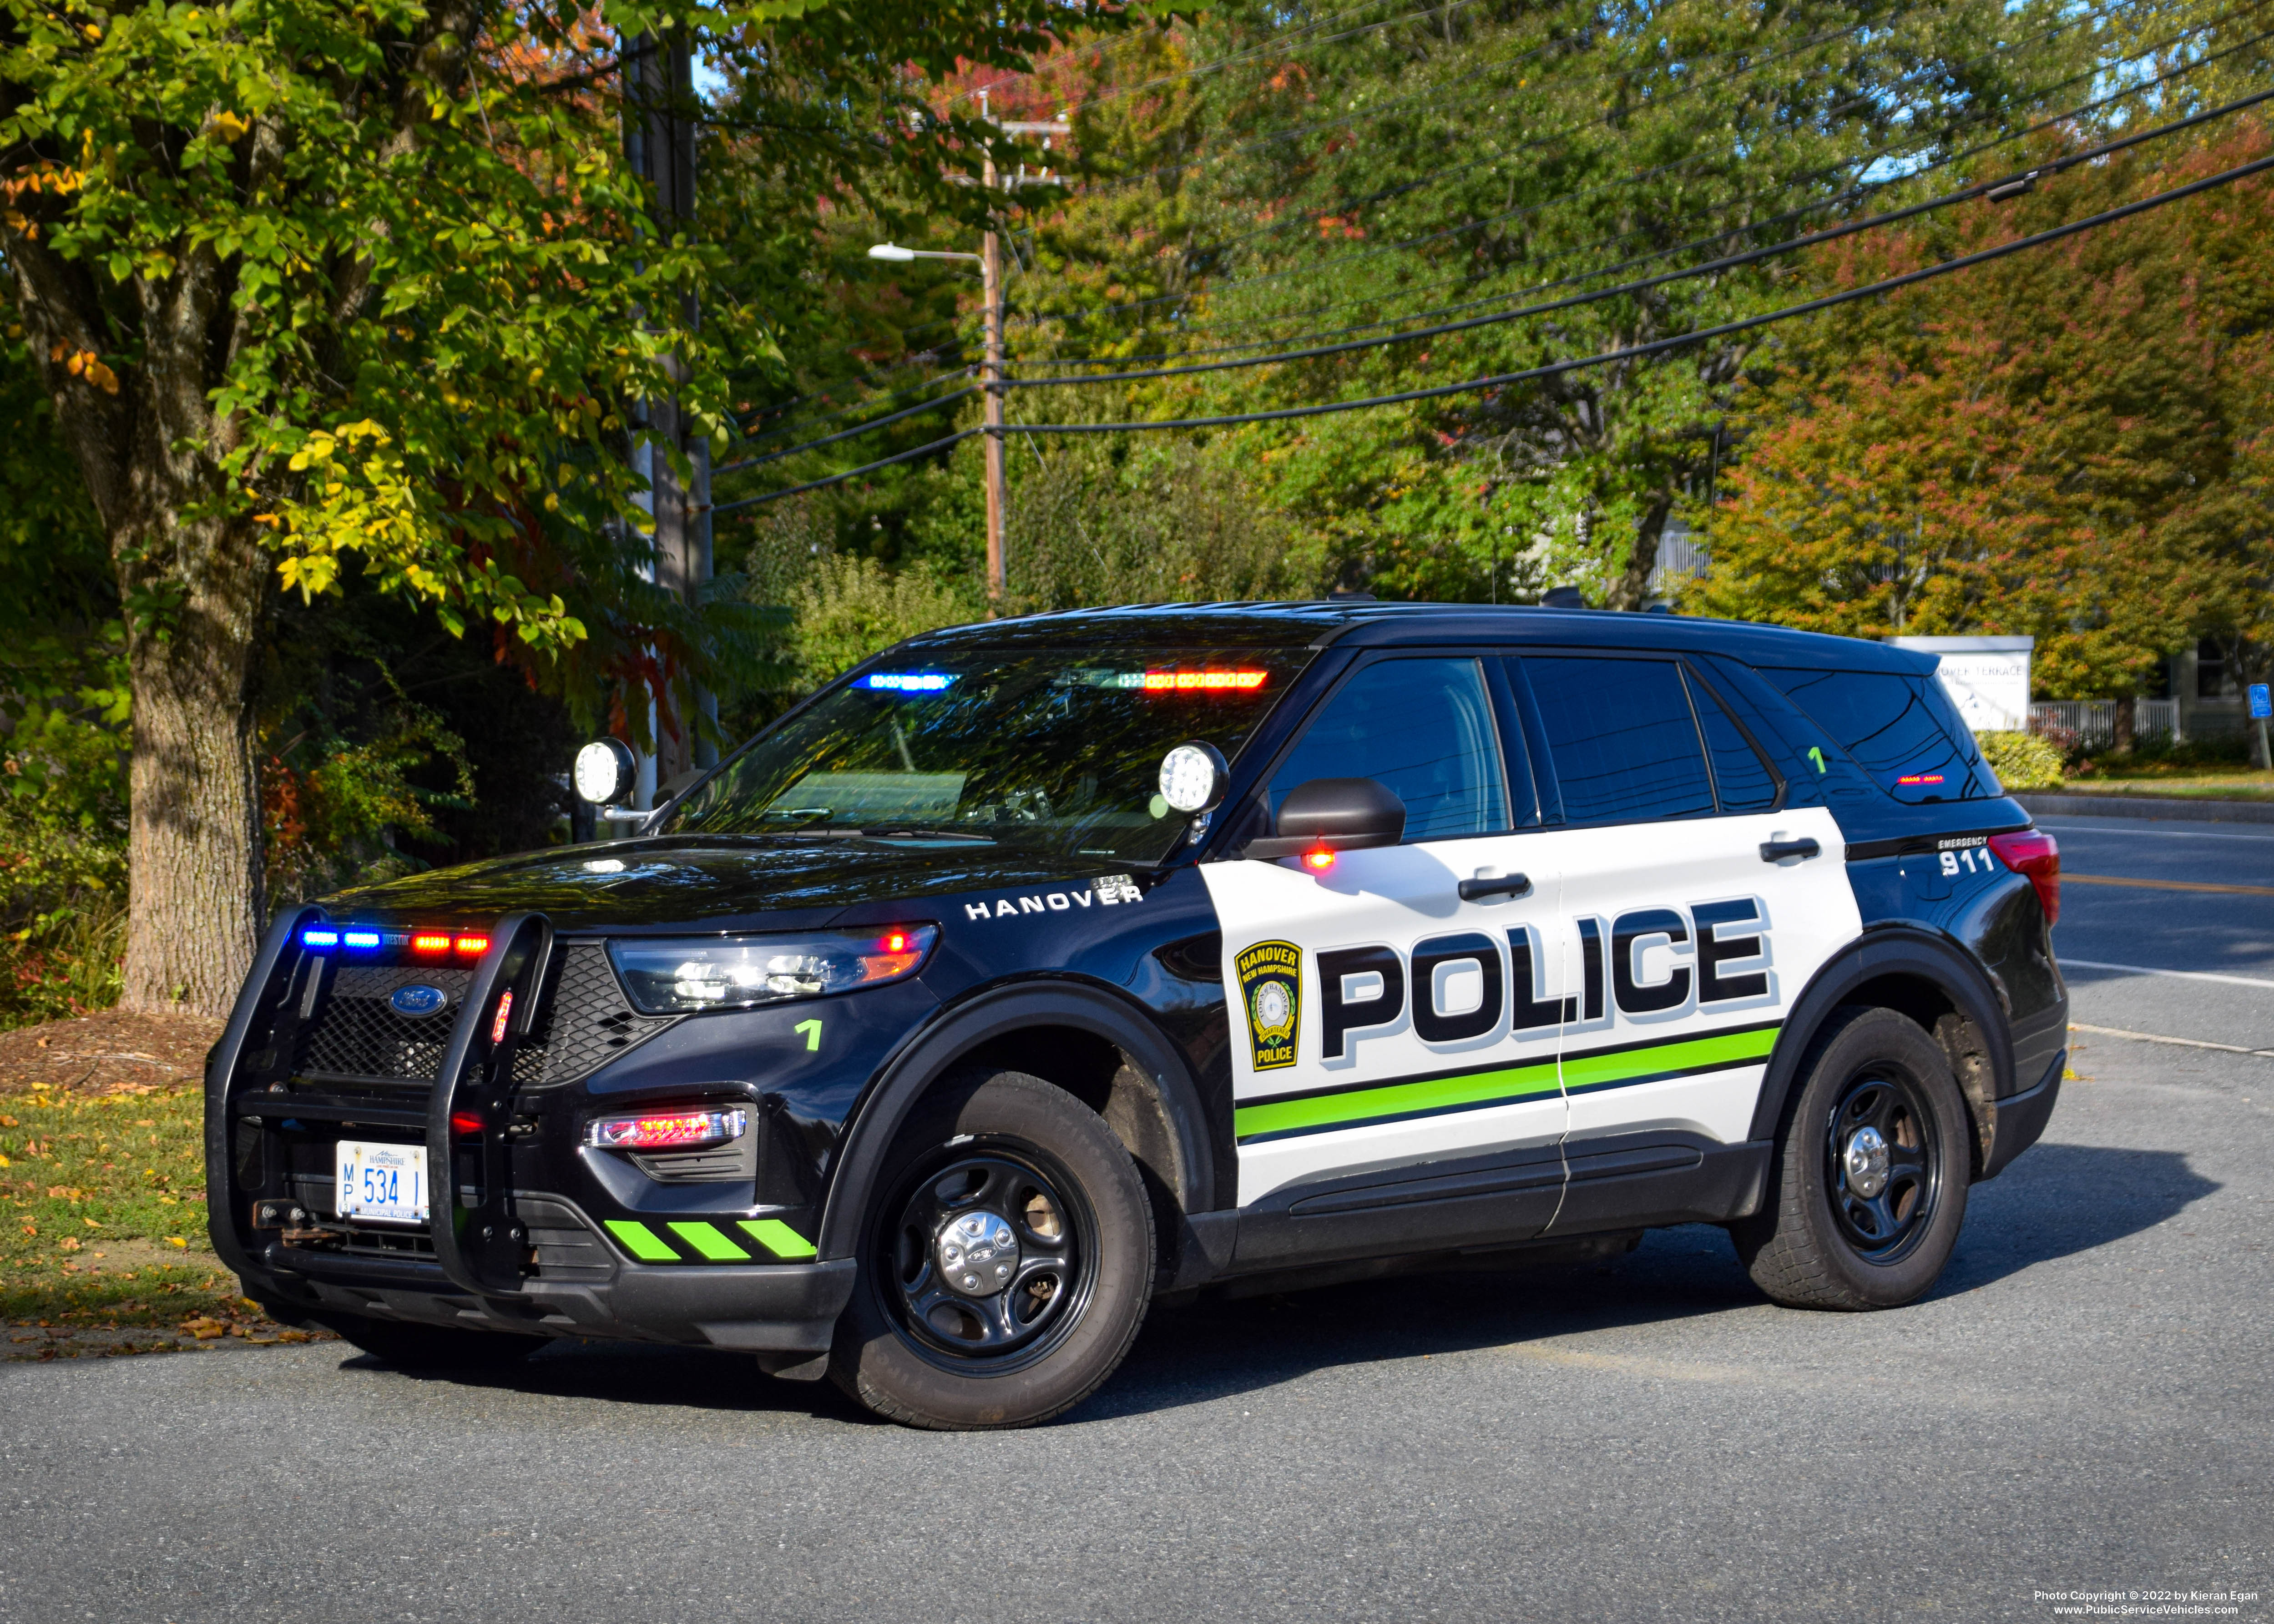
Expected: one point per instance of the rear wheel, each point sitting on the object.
(1006, 1265)
(1868, 1190)
(409, 1346)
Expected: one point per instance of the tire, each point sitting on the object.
(1010, 1179)
(409, 1346)
(1851, 1224)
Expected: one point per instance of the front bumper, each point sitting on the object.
(768, 1308)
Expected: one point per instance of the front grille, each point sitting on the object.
(585, 1022)
(361, 1035)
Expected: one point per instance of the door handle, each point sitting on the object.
(1498, 886)
(1777, 851)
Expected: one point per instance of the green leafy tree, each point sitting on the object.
(319, 288)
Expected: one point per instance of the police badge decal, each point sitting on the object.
(1271, 988)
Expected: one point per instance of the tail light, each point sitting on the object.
(686, 1130)
(2036, 853)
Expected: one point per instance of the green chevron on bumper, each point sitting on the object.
(709, 1242)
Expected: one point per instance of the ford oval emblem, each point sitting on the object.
(417, 1000)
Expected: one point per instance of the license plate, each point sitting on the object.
(385, 1184)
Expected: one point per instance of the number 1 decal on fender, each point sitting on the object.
(812, 1031)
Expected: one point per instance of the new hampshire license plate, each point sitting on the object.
(385, 1183)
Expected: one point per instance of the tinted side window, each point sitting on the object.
(1422, 726)
(1894, 729)
(1621, 737)
(1741, 780)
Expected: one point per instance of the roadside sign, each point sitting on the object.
(2260, 704)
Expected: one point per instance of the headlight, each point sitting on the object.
(727, 972)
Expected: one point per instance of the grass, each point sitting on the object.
(2242, 785)
(102, 1211)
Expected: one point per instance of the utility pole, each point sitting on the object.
(659, 145)
(991, 283)
(990, 368)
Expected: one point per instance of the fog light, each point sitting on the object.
(691, 1129)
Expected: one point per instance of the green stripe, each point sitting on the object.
(1719, 1048)
(642, 1242)
(778, 1239)
(1474, 1090)
(710, 1243)
(1505, 1085)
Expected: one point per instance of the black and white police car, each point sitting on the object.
(1040, 969)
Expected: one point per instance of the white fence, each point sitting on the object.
(2093, 721)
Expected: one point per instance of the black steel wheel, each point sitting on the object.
(1007, 1265)
(1867, 1189)
(1882, 1166)
(993, 1255)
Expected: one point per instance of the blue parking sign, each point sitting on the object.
(2259, 703)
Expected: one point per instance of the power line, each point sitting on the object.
(1558, 368)
(1790, 245)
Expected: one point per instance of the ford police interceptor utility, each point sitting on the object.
(1037, 970)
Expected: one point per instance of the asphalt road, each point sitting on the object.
(2083, 1403)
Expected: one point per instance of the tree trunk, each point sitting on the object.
(194, 845)
(2127, 711)
(1631, 589)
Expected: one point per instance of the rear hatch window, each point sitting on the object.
(1903, 731)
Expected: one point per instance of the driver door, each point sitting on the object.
(1385, 1029)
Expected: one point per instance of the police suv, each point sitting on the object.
(1038, 970)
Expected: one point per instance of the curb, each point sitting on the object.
(2144, 806)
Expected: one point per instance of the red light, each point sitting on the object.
(473, 944)
(505, 1009)
(466, 1121)
(2037, 854)
(897, 942)
(1319, 860)
(430, 942)
(1204, 682)
(1920, 778)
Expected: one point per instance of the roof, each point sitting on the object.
(1366, 623)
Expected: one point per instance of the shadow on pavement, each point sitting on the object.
(2057, 1201)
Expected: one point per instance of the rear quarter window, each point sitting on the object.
(1902, 730)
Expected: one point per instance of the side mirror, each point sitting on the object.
(606, 770)
(1334, 815)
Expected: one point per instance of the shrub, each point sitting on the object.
(2023, 761)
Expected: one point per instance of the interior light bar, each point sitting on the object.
(360, 938)
(908, 681)
(430, 942)
(324, 938)
(1204, 682)
(470, 945)
(315, 938)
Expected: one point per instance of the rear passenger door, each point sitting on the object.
(1382, 1020)
(1692, 911)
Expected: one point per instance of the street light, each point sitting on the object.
(990, 284)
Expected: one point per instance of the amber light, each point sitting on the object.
(1204, 682)
(473, 944)
(1319, 860)
(430, 942)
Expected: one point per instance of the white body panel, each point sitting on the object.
(1412, 1098)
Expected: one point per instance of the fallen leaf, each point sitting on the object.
(292, 1336)
(176, 1240)
(71, 1242)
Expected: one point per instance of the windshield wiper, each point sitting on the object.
(898, 831)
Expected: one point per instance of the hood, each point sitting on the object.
(707, 883)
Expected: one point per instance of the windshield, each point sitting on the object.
(1061, 752)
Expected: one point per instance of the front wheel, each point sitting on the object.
(1006, 1264)
(1868, 1188)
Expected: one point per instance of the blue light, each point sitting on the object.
(319, 938)
(908, 681)
(362, 939)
